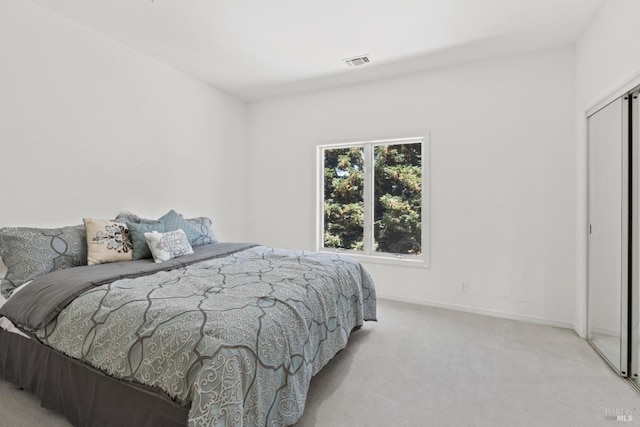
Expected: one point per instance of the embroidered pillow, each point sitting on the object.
(32, 252)
(107, 241)
(140, 247)
(166, 246)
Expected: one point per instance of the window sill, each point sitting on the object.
(404, 261)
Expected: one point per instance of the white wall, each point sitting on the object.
(607, 64)
(89, 127)
(86, 123)
(608, 52)
(503, 178)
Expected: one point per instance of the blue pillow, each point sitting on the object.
(136, 231)
(205, 227)
(173, 221)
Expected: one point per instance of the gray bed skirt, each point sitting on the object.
(85, 396)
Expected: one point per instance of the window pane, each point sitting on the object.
(344, 198)
(398, 198)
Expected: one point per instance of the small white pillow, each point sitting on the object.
(166, 246)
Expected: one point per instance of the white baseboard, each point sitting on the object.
(605, 332)
(483, 312)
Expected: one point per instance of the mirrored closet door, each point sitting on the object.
(608, 228)
(614, 234)
(634, 256)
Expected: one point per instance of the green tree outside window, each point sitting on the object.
(397, 198)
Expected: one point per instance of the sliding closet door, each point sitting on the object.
(635, 233)
(608, 231)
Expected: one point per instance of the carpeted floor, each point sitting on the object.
(422, 366)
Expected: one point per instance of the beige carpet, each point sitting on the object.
(422, 366)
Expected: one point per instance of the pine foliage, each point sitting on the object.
(397, 198)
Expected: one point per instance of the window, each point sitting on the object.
(373, 198)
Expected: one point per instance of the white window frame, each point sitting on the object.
(367, 254)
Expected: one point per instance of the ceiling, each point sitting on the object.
(257, 49)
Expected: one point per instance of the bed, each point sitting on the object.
(229, 335)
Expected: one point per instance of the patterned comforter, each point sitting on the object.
(237, 338)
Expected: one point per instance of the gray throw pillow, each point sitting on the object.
(32, 252)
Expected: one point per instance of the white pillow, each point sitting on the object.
(166, 246)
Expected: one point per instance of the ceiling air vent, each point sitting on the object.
(357, 61)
